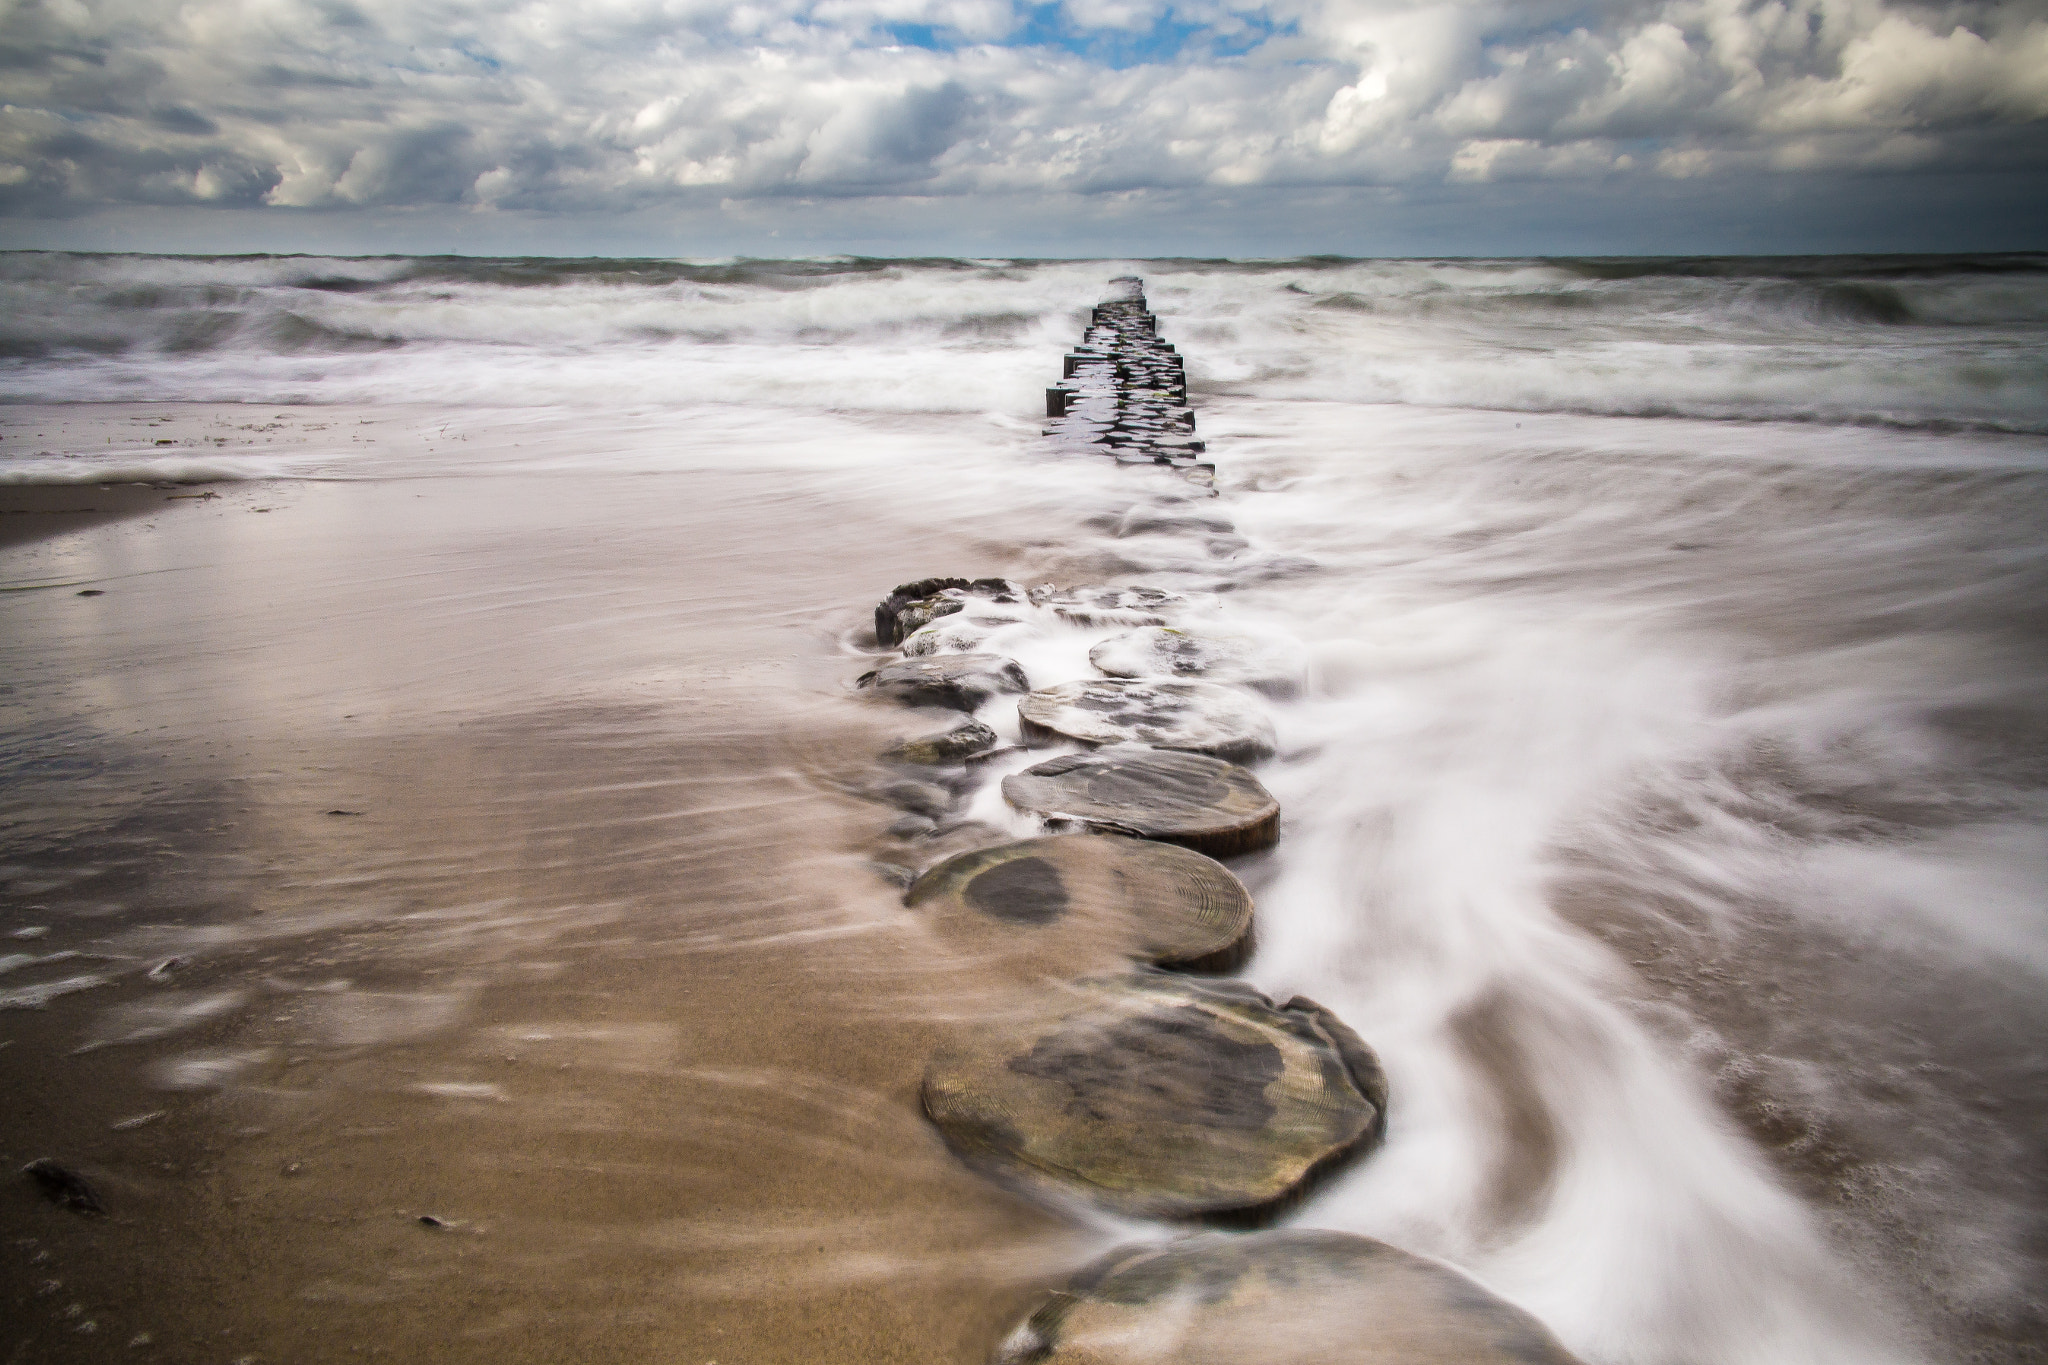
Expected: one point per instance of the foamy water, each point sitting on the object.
(1904, 340)
(1664, 801)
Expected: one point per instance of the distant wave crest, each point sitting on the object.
(1936, 341)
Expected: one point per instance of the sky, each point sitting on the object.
(1001, 128)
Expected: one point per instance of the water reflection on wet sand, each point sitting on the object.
(476, 853)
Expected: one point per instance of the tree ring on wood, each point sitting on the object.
(1158, 1095)
(1168, 906)
(1193, 800)
(1289, 1297)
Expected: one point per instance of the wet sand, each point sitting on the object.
(31, 512)
(497, 837)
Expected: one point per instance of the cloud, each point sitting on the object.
(618, 105)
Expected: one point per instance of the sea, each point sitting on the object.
(1665, 786)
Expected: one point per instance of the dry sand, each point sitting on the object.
(498, 828)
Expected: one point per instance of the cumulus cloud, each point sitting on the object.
(602, 105)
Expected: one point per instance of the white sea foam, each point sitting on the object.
(1738, 680)
(1845, 341)
(127, 468)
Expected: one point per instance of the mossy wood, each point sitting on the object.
(1168, 906)
(1162, 1096)
(1199, 717)
(959, 681)
(915, 605)
(961, 632)
(1276, 1298)
(1104, 606)
(956, 745)
(1199, 802)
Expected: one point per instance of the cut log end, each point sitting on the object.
(1206, 804)
(1158, 1095)
(1063, 897)
(1292, 1297)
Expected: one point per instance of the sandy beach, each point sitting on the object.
(494, 834)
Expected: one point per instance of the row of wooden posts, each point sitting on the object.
(1158, 1088)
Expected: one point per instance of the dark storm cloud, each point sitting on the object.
(922, 125)
(184, 121)
(608, 105)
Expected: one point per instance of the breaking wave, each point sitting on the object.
(1953, 342)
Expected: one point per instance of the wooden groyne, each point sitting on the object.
(1125, 391)
(1162, 1090)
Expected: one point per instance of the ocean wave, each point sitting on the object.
(1801, 267)
(1936, 342)
(295, 332)
(69, 471)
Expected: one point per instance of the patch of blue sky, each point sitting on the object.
(485, 60)
(1168, 39)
